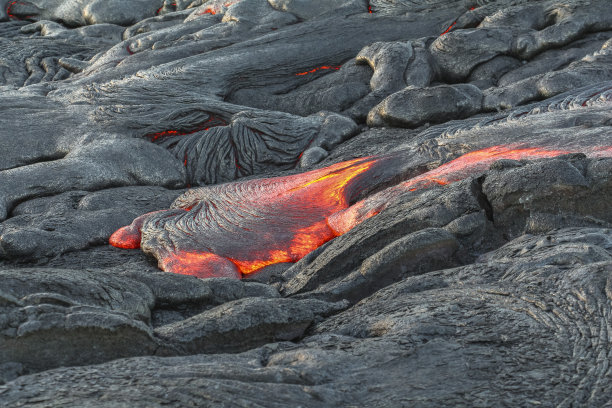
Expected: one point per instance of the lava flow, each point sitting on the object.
(235, 229)
(238, 228)
(464, 166)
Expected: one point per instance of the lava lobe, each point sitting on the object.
(237, 228)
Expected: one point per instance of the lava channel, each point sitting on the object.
(237, 228)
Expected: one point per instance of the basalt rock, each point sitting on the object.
(415, 197)
(501, 317)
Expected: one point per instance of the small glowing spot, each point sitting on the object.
(370, 10)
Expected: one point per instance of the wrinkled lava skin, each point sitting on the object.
(235, 229)
(238, 228)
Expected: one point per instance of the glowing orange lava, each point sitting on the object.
(215, 8)
(238, 228)
(128, 237)
(255, 223)
(319, 194)
(462, 167)
(324, 67)
(199, 264)
(473, 162)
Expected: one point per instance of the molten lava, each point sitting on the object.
(237, 228)
(469, 164)
(477, 161)
(324, 67)
(251, 224)
(216, 7)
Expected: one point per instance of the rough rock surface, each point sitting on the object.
(467, 263)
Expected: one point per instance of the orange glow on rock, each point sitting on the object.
(128, 237)
(324, 67)
(477, 161)
(216, 8)
(314, 196)
(199, 264)
(271, 258)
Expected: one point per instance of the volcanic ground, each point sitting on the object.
(305, 203)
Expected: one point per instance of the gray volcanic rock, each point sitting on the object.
(244, 324)
(82, 12)
(500, 317)
(412, 107)
(463, 257)
(51, 317)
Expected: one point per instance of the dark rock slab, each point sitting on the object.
(244, 324)
(412, 107)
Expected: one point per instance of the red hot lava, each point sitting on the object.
(284, 217)
(238, 228)
(324, 67)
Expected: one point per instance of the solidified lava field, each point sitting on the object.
(313, 203)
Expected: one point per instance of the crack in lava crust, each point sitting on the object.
(235, 229)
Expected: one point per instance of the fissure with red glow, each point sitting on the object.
(454, 24)
(213, 121)
(449, 28)
(324, 67)
(9, 11)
